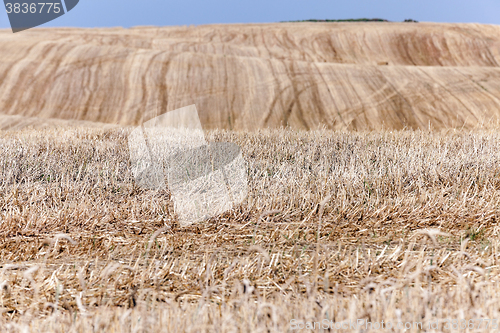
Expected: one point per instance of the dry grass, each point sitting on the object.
(397, 226)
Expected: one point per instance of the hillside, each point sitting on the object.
(356, 76)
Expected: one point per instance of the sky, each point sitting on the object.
(128, 13)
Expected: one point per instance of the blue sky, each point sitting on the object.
(127, 13)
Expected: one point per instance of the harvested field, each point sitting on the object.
(396, 226)
(354, 76)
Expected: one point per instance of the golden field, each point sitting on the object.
(373, 157)
(354, 76)
(395, 226)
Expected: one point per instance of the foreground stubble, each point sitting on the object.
(84, 249)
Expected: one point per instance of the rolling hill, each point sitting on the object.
(355, 76)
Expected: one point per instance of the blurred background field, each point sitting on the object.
(302, 75)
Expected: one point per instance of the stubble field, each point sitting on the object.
(338, 226)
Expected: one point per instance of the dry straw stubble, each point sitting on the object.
(377, 226)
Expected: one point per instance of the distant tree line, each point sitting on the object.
(351, 20)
